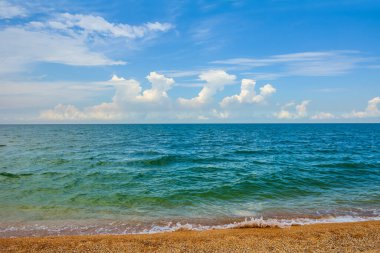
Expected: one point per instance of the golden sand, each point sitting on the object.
(338, 237)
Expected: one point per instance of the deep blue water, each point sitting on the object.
(127, 178)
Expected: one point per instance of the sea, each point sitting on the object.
(149, 178)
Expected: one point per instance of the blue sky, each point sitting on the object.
(189, 61)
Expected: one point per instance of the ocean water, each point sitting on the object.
(92, 179)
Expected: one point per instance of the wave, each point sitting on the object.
(13, 175)
(257, 223)
(124, 228)
(167, 160)
(254, 152)
(159, 161)
(353, 165)
(147, 152)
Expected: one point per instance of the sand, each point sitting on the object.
(337, 237)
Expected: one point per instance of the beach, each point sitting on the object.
(190, 188)
(189, 126)
(334, 237)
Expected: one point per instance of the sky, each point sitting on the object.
(195, 61)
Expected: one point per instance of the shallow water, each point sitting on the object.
(75, 179)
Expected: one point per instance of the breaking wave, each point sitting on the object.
(120, 228)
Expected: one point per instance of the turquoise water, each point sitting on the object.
(85, 179)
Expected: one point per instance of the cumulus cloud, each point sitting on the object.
(128, 93)
(8, 10)
(160, 86)
(293, 110)
(248, 94)
(215, 81)
(372, 110)
(323, 115)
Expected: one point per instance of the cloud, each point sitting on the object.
(372, 110)
(39, 94)
(127, 100)
(293, 111)
(215, 81)
(102, 112)
(8, 10)
(220, 114)
(182, 73)
(324, 63)
(63, 112)
(69, 39)
(160, 86)
(129, 91)
(19, 48)
(204, 31)
(323, 115)
(96, 25)
(248, 94)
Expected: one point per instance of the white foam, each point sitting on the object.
(256, 223)
(124, 228)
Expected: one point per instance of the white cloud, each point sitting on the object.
(325, 63)
(248, 94)
(204, 33)
(323, 115)
(215, 81)
(39, 94)
(96, 25)
(301, 109)
(8, 10)
(217, 78)
(220, 114)
(19, 47)
(68, 39)
(128, 98)
(160, 86)
(63, 112)
(372, 110)
(181, 73)
(293, 111)
(284, 114)
(129, 91)
(115, 78)
(105, 111)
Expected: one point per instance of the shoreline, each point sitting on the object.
(119, 227)
(324, 237)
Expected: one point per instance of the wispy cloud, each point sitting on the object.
(323, 63)
(41, 94)
(20, 47)
(205, 32)
(182, 73)
(91, 25)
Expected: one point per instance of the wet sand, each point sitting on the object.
(337, 237)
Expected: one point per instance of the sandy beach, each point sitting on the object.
(337, 237)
